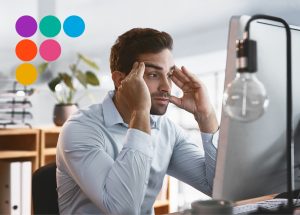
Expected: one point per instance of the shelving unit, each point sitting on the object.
(20, 144)
(162, 206)
(48, 141)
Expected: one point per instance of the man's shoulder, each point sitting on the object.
(93, 112)
(86, 122)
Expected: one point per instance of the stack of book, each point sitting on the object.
(15, 186)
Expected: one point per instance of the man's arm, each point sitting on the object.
(133, 99)
(115, 185)
(195, 99)
(190, 165)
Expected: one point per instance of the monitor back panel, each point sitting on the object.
(251, 157)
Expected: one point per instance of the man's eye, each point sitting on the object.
(153, 75)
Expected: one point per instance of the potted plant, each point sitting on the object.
(64, 88)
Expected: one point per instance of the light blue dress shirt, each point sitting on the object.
(103, 167)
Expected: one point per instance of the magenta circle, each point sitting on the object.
(50, 50)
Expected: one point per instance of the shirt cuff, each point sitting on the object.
(139, 140)
(211, 137)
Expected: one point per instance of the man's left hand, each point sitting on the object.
(195, 99)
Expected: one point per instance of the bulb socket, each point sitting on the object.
(246, 56)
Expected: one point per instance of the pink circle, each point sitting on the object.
(50, 50)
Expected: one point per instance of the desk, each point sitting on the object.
(249, 201)
(254, 200)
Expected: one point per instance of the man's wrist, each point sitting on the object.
(140, 120)
(207, 122)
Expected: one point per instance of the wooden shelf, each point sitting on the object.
(161, 203)
(162, 207)
(20, 144)
(17, 154)
(17, 131)
(48, 142)
(50, 151)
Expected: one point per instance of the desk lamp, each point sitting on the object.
(245, 98)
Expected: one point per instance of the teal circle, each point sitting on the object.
(74, 26)
(50, 26)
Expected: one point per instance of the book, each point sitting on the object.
(26, 173)
(10, 186)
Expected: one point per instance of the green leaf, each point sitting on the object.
(92, 79)
(67, 79)
(52, 84)
(88, 61)
(81, 77)
(42, 67)
(72, 67)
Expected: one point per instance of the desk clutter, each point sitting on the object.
(268, 206)
(14, 104)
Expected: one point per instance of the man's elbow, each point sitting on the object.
(125, 207)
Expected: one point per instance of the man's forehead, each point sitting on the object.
(164, 55)
(158, 66)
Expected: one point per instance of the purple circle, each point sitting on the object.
(26, 26)
(50, 50)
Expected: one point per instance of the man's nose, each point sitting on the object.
(165, 84)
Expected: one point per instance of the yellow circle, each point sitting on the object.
(26, 74)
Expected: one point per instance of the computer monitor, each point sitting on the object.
(251, 157)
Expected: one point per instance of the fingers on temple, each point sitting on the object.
(190, 75)
(138, 68)
(178, 73)
(177, 81)
(141, 69)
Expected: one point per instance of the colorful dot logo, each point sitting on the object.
(26, 26)
(50, 50)
(74, 26)
(50, 26)
(26, 50)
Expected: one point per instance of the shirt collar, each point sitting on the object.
(112, 116)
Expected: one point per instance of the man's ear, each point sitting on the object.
(117, 77)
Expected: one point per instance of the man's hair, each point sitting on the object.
(135, 42)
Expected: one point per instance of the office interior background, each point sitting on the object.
(199, 29)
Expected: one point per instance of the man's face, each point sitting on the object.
(159, 68)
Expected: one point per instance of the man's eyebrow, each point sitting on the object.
(158, 67)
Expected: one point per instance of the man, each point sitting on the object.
(112, 157)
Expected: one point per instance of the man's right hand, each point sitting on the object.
(134, 100)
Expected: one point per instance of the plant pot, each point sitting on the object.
(62, 112)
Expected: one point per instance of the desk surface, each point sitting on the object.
(254, 200)
(250, 201)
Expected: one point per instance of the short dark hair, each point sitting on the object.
(135, 42)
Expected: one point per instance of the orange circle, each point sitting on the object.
(26, 50)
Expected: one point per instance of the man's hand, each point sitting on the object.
(195, 99)
(133, 99)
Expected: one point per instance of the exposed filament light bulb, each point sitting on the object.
(245, 98)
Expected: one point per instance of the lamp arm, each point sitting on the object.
(289, 108)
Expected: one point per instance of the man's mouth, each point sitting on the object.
(161, 100)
